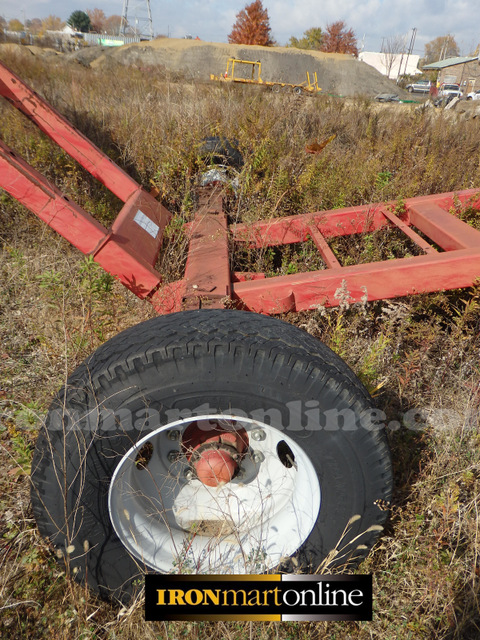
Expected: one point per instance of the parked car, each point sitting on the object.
(450, 90)
(420, 86)
(474, 95)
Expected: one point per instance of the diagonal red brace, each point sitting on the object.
(48, 120)
(129, 249)
(31, 189)
(114, 250)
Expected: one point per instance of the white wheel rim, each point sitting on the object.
(175, 524)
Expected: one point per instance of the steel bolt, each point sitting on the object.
(258, 457)
(173, 434)
(258, 435)
(173, 456)
(188, 474)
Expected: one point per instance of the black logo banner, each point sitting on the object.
(258, 597)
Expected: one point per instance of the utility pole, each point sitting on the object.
(137, 19)
(410, 48)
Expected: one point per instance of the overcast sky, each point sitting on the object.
(212, 20)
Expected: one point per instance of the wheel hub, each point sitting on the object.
(214, 454)
(224, 500)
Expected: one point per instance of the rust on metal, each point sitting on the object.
(448, 248)
(214, 451)
(207, 280)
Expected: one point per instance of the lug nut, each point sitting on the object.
(258, 435)
(173, 434)
(173, 456)
(258, 457)
(188, 474)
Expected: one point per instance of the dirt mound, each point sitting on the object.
(22, 50)
(14, 49)
(337, 73)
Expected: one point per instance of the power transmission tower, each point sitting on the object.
(137, 19)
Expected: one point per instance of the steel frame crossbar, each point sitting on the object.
(449, 248)
(450, 260)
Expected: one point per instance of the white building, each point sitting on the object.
(392, 65)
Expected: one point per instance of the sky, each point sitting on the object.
(212, 20)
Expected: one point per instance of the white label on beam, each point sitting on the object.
(144, 221)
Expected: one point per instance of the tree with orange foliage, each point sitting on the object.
(97, 20)
(338, 39)
(34, 25)
(252, 26)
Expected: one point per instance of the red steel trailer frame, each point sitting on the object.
(339, 481)
(129, 248)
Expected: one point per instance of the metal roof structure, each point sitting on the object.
(449, 62)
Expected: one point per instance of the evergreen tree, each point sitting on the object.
(79, 21)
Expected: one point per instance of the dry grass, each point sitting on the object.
(417, 353)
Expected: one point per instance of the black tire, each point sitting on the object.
(226, 359)
(219, 150)
(410, 89)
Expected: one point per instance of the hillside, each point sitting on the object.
(337, 73)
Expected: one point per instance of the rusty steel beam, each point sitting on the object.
(207, 278)
(207, 281)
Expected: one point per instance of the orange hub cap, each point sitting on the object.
(215, 467)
